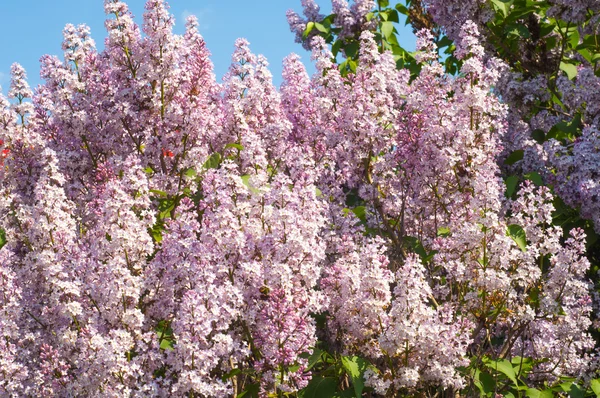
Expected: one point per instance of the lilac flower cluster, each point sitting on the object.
(167, 235)
(103, 276)
(421, 157)
(350, 18)
(452, 15)
(577, 176)
(571, 171)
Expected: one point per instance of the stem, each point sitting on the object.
(234, 380)
(89, 151)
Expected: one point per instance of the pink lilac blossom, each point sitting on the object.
(165, 231)
(358, 283)
(577, 176)
(566, 289)
(106, 132)
(422, 160)
(350, 18)
(575, 11)
(14, 372)
(568, 166)
(20, 91)
(524, 93)
(416, 331)
(451, 15)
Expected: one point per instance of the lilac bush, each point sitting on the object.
(169, 235)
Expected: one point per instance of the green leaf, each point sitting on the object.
(511, 185)
(166, 344)
(328, 20)
(566, 130)
(355, 367)
(444, 42)
(162, 194)
(319, 387)
(190, 173)
(535, 393)
(387, 29)
(314, 358)
(232, 373)
(443, 231)
(589, 41)
(352, 65)
(343, 68)
(546, 29)
(335, 48)
(522, 365)
(239, 147)
(514, 157)
(165, 335)
(569, 69)
(293, 368)
(2, 238)
(391, 15)
(251, 391)
(353, 198)
(521, 12)
(398, 50)
(502, 6)
(156, 231)
(595, 385)
(535, 177)
(418, 248)
(402, 9)
(517, 233)
(213, 161)
(576, 391)
(518, 30)
(574, 38)
(484, 382)
(351, 49)
(361, 213)
(538, 135)
(585, 53)
(321, 28)
(551, 42)
(165, 206)
(309, 27)
(503, 366)
(573, 389)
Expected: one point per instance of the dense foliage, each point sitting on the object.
(399, 224)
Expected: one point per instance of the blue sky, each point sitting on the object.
(32, 28)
